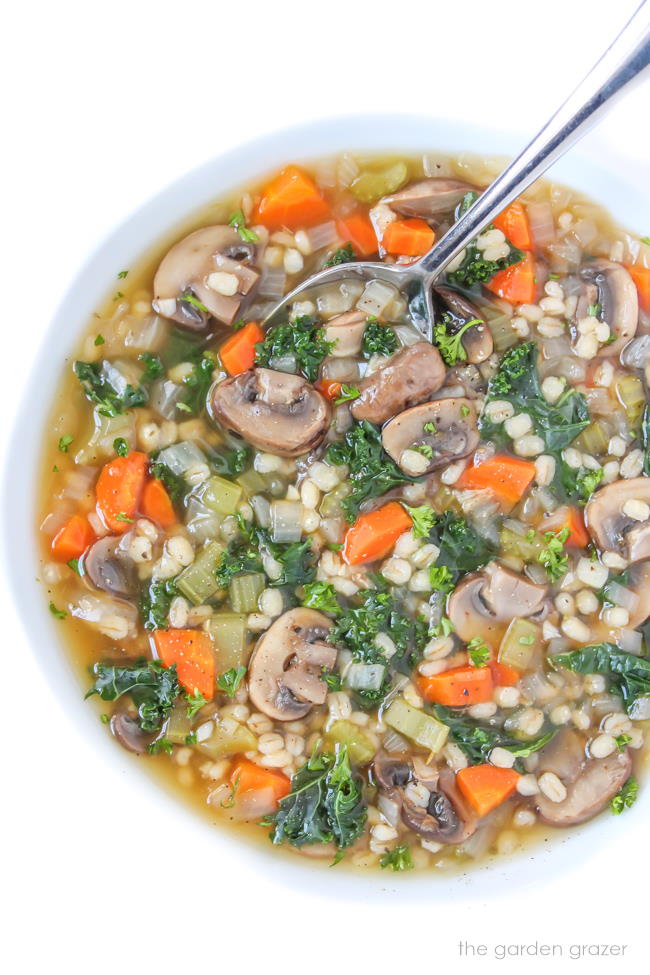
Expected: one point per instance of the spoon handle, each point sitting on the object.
(622, 63)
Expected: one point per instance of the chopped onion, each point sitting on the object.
(340, 370)
(180, 457)
(324, 235)
(389, 809)
(165, 395)
(537, 573)
(542, 225)
(621, 596)
(394, 742)
(272, 282)
(567, 254)
(407, 334)
(284, 363)
(96, 609)
(347, 170)
(53, 522)
(585, 231)
(637, 352)
(376, 297)
(480, 842)
(147, 333)
(605, 703)
(557, 645)
(598, 400)
(365, 677)
(546, 498)
(286, 521)
(518, 527)
(78, 482)
(573, 369)
(484, 521)
(201, 522)
(325, 172)
(629, 640)
(436, 164)
(555, 349)
(640, 710)
(340, 298)
(262, 509)
(333, 529)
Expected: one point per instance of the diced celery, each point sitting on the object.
(245, 591)
(365, 677)
(286, 521)
(221, 495)
(202, 523)
(629, 390)
(230, 634)
(594, 439)
(421, 728)
(446, 500)
(360, 747)
(520, 644)
(228, 738)
(503, 334)
(180, 457)
(179, 725)
(526, 547)
(198, 581)
(331, 506)
(370, 185)
(251, 481)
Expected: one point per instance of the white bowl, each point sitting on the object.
(153, 221)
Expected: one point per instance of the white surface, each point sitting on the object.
(107, 108)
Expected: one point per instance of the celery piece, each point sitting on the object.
(360, 748)
(629, 390)
(178, 725)
(421, 728)
(370, 185)
(593, 440)
(230, 634)
(221, 495)
(245, 591)
(331, 505)
(251, 481)
(228, 738)
(521, 642)
(198, 581)
(526, 547)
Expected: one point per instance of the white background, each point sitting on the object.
(103, 105)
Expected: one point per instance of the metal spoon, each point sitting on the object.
(621, 64)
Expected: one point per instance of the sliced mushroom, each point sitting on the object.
(639, 582)
(590, 782)
(188, 268)
(129, 734)
(409, 377)
(429, 197)
(439, 432)
(464, 381)
(110, 568)
(485, 601)
(346, 331)
(287, 664)
(610, 528)
(611, 287)
(274, 411)
(391, 773)
(477, 340)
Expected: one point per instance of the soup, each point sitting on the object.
(376, 595)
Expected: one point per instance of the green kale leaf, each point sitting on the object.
(628, 674)
(152, 687)
(302, 339)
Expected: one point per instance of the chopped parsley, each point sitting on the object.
(371, 471)
(160, 745)
(98, 389)
(59, 614)
(99, 340)
(378, 339)
(195, 702)
(120, 446)
(399, 858)
(347, 393)
(122, 274)
(229, 681)
(189, 299)
(552, 556)
(450, 345)
(423, 519)
(625, 797)
(441, 578)
(321, 595)
(153, 367)
(303, 340)
(478, 652)
(622, 741)
(238, 222)
(342, 255)
(64, 442)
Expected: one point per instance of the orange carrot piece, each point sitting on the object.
(157, 505)
(373, 535)
(248, 777)
(71, 541)
(457, 687)
(570, 518)
(516, 283)
(330, 388)
(411, 238)
(119, 489)
(291, 201)
(513, 222)
(641, 277)
(237, 353)
(485, 786)
(503, 675)
(192, 652)
(506, 477)
(357, 228)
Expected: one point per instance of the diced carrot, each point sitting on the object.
(358, 229)
(192, 652)
(71, 541)
(486, 786)
(513, 222)
(516, 283)
(237, 353)
(506, 477)
(412, 238)
(641, 277)
(503, 675)
(457, 687)
(157, 505)
(373, 535)
(291, 201)
(248, 777)
(570, 518)
(119, 489)
(330, 388)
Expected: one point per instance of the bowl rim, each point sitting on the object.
(123, 246)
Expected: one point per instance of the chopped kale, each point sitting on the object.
(322, 596)
(628, 674)
(462, 549)
(477, 739)
(153, 367)
(342, 255)
(175, 485)
(154, 604)
(625, 797)
(197, 384)
(98, 389)
(371, 470)
(378, 339)
(152, 687)
(302, 339)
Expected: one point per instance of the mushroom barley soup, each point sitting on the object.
(378, 596)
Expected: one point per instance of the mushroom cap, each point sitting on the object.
(274, 411)
(610, 528)
(455, 433)
(483, 602)
(284, 674)
(409, 377)
(610, 285)
(346, 331)
(187, 266)
(477, 340)
(109, 567)
(129, 734)
(590, 782)
(429, 197)
(447, 817)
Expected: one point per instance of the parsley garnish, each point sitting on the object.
(229, 681)
(423, 519)
(626, 797)
(553, 556)
(238, 221)
(122, 274)
(399, 858)
(64, 442)
(378, 339)
(59, 614)
(195, 702)
(120, 516)
(120, 446)
(99, 340)
(449, 345)
(478, 651)
(347, 393)
(321, 595)
(342, 255)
